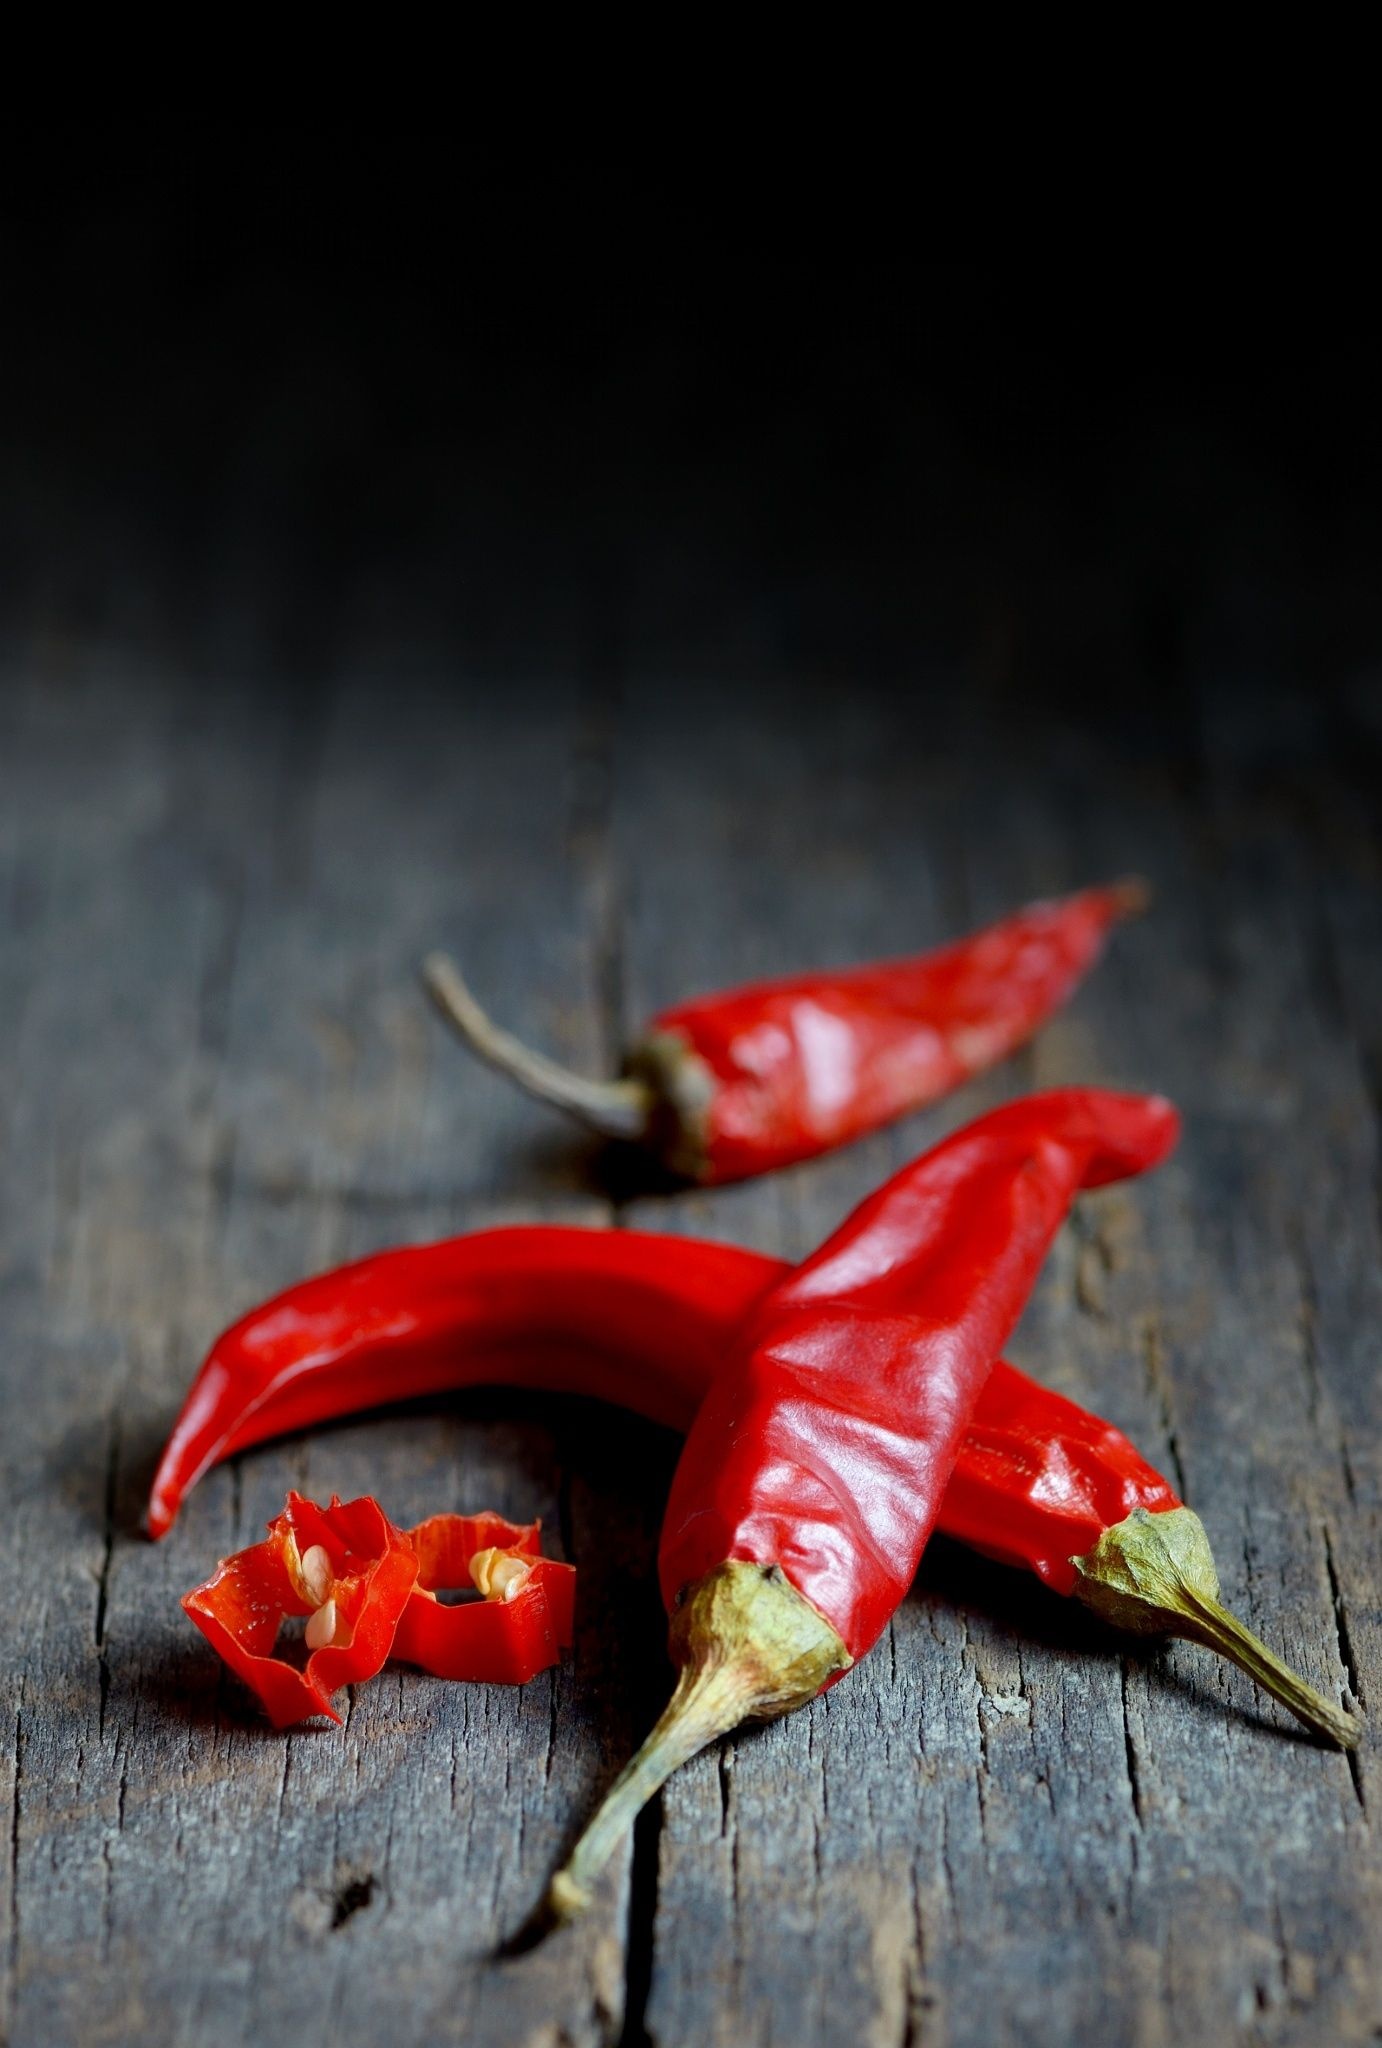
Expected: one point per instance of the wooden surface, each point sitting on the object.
(1007, 1826)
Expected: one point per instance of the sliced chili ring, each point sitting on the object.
(345, 1567)
(520, 1626)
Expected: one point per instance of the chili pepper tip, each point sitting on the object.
(1154, 1575)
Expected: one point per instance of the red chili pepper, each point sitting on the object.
(740, 1083)
(626, 1317)
(815, 1470)
(345, 1567)
(645, 1321)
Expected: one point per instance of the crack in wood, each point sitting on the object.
(1158, 1382)
(1130, 1747)
(1347, 1659)
(1283, 1962)
(919, 1999)
(107, 1899)
(351, 1898)
(1095, 1262)
(1346, 1652)
(640, 1925)
(16, 1811)
(283, 1784)
(1308, 1318)
(554, 1695)
(103, 1576)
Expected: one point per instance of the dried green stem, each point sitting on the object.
(1154, 1574)
(1134, 896)
(749, 1647)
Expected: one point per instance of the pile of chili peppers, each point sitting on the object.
(836, 1411)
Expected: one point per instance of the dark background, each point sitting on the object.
(265, 394)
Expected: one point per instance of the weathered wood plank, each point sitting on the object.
(1006, 1826)
(1114, 1844)
(225, 1076)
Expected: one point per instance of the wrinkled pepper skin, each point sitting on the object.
(1039, 1479)
(825, 1446)
(1036, 1482)
(801, 1065)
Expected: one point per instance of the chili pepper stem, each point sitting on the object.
(1154, 1574)
(616, 1109)
(750, 1647)
(1132, 896)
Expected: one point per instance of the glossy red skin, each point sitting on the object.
(1036, 1482)
(808, 1063)
(493, 1642)
(826, 1443)
(240, 1608)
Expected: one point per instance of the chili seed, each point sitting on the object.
(322, 1626)
(316, 1573)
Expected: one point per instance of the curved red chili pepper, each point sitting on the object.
(755, 1078)
(815, 1470)
(543, 1306)
(367, 1570)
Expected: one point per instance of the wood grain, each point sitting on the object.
(1006, 1826)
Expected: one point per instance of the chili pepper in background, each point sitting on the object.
(739, 1083)
(814, 1472)
(645, 1321)
(345, 1566)
(369, 1592)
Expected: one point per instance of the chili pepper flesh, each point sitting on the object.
(743, 1082)
(1038, 1483)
